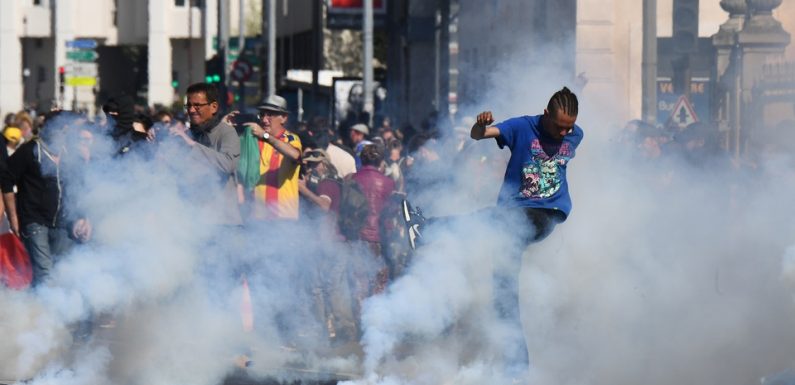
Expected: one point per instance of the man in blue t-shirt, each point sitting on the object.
(541, 148)
(535, 183)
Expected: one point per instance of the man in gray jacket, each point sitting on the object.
(213, 143)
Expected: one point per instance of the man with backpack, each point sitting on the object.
(377, 189)
(322, 189)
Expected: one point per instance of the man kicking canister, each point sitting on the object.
(535, 184)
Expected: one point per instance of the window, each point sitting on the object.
(36, 2)
(179, 3)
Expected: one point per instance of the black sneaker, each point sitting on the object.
(414, 221)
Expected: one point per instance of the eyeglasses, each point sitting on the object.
(267, 113)
(195, 106)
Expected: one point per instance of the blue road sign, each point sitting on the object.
(81, 44)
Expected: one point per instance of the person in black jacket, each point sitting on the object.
(130, 132)
(36, 213)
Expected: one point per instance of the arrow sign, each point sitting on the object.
(82, 56)
(81, 44)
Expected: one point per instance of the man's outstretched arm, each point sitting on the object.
(288, 150)
(482, 128)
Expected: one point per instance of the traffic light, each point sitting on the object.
(685, 28)
(174, 79)
(213, 69)
(61, 78)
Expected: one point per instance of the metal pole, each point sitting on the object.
(367, 27)
(263, 53)
(223, 38)
(271, 47)
(437, 42)
(190, 44)
(317, 54)
(452, 96)
(300, 104)
(241, 27)
(738, 100)
(649, 77)
(241, 45)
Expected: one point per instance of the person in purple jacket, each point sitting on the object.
(535, 186)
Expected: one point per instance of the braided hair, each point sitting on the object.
(563, 100)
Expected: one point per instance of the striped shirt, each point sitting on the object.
(276, 192)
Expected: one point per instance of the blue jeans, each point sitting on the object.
(536, 225)
(539, 224)
(44, 245)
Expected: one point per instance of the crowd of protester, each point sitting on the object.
(351, 180)
(348, 181)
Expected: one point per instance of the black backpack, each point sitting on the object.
(354, 209)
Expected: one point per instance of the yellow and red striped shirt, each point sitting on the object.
(276, 193)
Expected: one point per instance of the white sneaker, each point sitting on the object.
(414, 221)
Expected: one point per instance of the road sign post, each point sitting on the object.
(81, 69)
(82, 44)
(82, 55)
(241, 72)
(683, 113)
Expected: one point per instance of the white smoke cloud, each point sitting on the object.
(665, 272)
(161, 286)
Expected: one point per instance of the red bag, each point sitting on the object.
(16, 271)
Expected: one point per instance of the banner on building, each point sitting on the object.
(348, 99)
(668, 100)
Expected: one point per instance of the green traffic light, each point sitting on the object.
(174, 84)
(216, 78)
(208, 79)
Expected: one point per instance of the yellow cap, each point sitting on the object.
(12, 134)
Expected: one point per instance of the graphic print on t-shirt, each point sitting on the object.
(541, 176)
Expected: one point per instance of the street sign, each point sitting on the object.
(81, 44)
(82, 56)
(81, 81)
(81, 69)
(241, 70)
(683, 113)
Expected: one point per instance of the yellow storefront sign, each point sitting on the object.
(81, 81)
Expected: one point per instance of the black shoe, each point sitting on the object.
(414, 221)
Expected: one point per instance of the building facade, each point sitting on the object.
(601, 41)
(172, 37)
